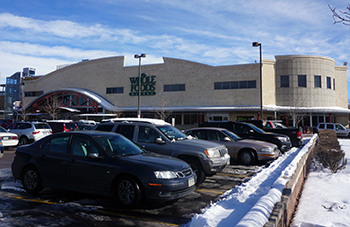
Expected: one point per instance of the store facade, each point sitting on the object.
(296, 89)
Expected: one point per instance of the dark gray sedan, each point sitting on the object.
(101, 163)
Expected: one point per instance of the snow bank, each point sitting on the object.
(251, 203)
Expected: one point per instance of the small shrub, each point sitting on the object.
(328, 151)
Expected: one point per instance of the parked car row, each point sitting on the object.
(133, 159)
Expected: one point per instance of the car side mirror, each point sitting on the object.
(226, 139)
(159, 141)
(93, 156)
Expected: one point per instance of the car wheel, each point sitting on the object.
(246, 157)
(197, 169)
(23, 141)
(31, 180)
(128, 192)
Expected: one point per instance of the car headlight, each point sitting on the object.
(165, 174)
(212, 153)
(267, 149)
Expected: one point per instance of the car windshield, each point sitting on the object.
(233, 136)
(171, 132)
(257, 129)
(116, 146)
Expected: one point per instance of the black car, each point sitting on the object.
(250, 131)
(101, 163)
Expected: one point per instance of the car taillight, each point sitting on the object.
(299, 134)
(14, 137)
(35, 132)
(15, 154)
(50, 132)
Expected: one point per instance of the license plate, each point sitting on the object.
(5, 138)
(191, 182)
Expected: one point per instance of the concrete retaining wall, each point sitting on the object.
(282, 212)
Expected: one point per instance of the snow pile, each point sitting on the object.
(325, 200)
(251, 203)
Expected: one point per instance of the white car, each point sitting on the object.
(8, 139)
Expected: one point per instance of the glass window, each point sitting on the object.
(199, 134)
(115, 90)
(284, 81)
(104, 128)
(174, 87)
(57, 144)
(329, 86)
(82, 146)
(126, 130)
(317, 81)
(333, 84)
(301, 80)
(147, 134)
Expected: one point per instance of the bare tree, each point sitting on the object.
(295, 110)
(52, 106)
(341, 16)
(161, 111)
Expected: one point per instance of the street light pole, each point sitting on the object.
(139, 84)
(255, 44)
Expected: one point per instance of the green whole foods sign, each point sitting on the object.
(148, 85)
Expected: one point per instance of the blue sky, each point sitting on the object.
(43, 34)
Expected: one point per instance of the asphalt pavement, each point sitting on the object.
(6, 160)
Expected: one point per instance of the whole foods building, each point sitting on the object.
(297, 89)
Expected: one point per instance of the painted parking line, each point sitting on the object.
(210, 191)
(231, 175)
(98, 210)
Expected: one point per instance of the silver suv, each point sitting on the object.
(338, 128)
(205, 158)
(29, 132)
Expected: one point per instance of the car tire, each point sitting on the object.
(197, 169)
(23, 141)
(128, 192)
(246, 157)
(31, 180)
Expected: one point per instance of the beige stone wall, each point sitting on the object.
(294, 65)
(97, 75)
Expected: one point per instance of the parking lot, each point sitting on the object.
(76, 209)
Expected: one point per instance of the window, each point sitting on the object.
(333, 84)
(317, 81)
(57, 144)
(115, 90)
(199, 134)
(215, 136)
(104, 128)
(284, 81)
(329, 86)
(235, 85)
(82, 146)
(174, 87)
(33, 93)
(301, 80)
(147, 134)
(126, 130)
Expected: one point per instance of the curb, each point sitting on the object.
(283, 211)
